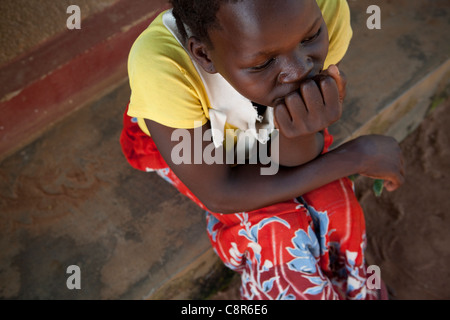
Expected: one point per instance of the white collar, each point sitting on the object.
(227, 104)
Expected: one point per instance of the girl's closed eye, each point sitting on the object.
(268, 63)
(311, 39)
(263, 66)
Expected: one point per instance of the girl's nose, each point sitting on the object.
(296, 68)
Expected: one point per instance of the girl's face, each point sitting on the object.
(266, 48)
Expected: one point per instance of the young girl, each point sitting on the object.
(264, 72)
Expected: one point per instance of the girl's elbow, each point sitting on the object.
(219, 206)
(222, 203)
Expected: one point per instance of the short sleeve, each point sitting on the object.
(164, 85)
(336, 14)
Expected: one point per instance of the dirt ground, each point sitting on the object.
(408, 230)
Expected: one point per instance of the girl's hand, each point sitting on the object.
(380, 158)
(316, 106)
(340, 78)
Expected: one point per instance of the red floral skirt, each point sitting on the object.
(310, 247)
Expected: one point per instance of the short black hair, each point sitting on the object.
(199, 15)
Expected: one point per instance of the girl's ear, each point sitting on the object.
(200, 52)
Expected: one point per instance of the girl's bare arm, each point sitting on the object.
(227, 189)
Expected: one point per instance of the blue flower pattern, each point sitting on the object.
(307, 249)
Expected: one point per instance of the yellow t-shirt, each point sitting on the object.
(166, 87)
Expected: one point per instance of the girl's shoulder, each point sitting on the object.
(336, 14)
(165, 86)
(329, 7)
(157, 42)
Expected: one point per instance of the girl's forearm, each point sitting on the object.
(246, 189)
(225, 189)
